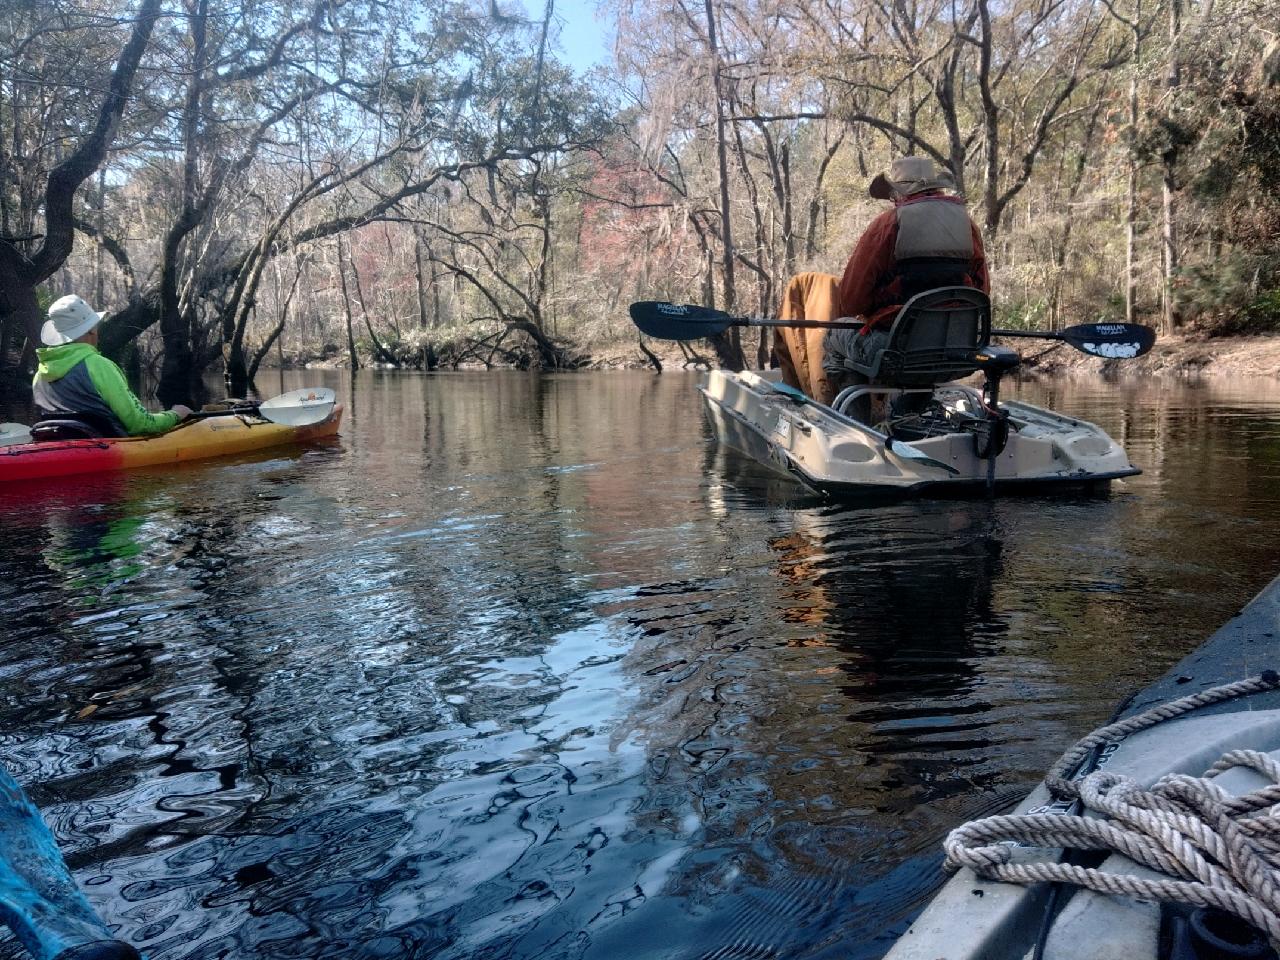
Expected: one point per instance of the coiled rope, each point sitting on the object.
(1218, 850)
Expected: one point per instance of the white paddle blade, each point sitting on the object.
(11, 433)
(299, 408)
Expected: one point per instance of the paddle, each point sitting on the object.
(686, 321)
(1111, 341)
(39, 901)
(297, 408)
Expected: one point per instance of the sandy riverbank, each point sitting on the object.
(1178, 356)
(1189, 356)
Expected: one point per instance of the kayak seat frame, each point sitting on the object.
(79, 427)
(846, 398)
(934, 338)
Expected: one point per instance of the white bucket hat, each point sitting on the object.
(70, 318)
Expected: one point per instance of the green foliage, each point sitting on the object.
(1263, 313)
(1236, 294)
(514, 104)
(1237, 161)
(1112, 311)
(1227, 281)
(1261, 152)
(1166, 134)
(1020, 314)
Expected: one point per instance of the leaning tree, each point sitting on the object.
(65, 82)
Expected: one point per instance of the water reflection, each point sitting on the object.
(821, 732)
(525, 666)
(910, 612)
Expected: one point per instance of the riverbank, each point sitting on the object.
(1193, 355)
(1181, 356)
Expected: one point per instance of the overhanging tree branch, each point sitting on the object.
(66, 178)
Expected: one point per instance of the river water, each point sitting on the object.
(526, 666)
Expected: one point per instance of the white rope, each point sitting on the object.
(1216, 850)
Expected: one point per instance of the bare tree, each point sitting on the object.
(29, 256)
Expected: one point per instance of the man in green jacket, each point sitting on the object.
(74, 380)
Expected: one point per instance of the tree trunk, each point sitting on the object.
(22, 271)
(990, 126)
(175, 324)
(1131, 211)
(178, 370)
(352, 357)
(1169, 184)
(278, 329)
(732, 348)
(378, 349)
(419, 276)
(99, 282)
(236, 368)
(20, 308)
(1064, 241)
(815, 199)
(550, 356)
(236, 373)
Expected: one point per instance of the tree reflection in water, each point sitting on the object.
(527, 667)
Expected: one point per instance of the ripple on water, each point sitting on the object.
(527, 667)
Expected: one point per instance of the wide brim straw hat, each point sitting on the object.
(70, 318)
(910, 175)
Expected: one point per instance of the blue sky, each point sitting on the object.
(584, 40)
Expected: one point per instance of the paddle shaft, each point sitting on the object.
(197, 415)
(230, 411)
(1033, 334)
(1061, 337)
(858, 325)
(803, 324)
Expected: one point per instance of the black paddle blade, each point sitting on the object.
(678, 321)
(1114, 341)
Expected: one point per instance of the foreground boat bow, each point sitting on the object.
(977, 919)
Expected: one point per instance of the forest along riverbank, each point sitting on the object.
(1190, 355)
(527, 666)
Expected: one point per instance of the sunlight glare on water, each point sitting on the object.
(527, 666)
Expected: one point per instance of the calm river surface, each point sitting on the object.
(526, 667)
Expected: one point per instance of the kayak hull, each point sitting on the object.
(198, 440)
(837, 456)
(975, 919)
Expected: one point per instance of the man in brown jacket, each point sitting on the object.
(927, 240)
